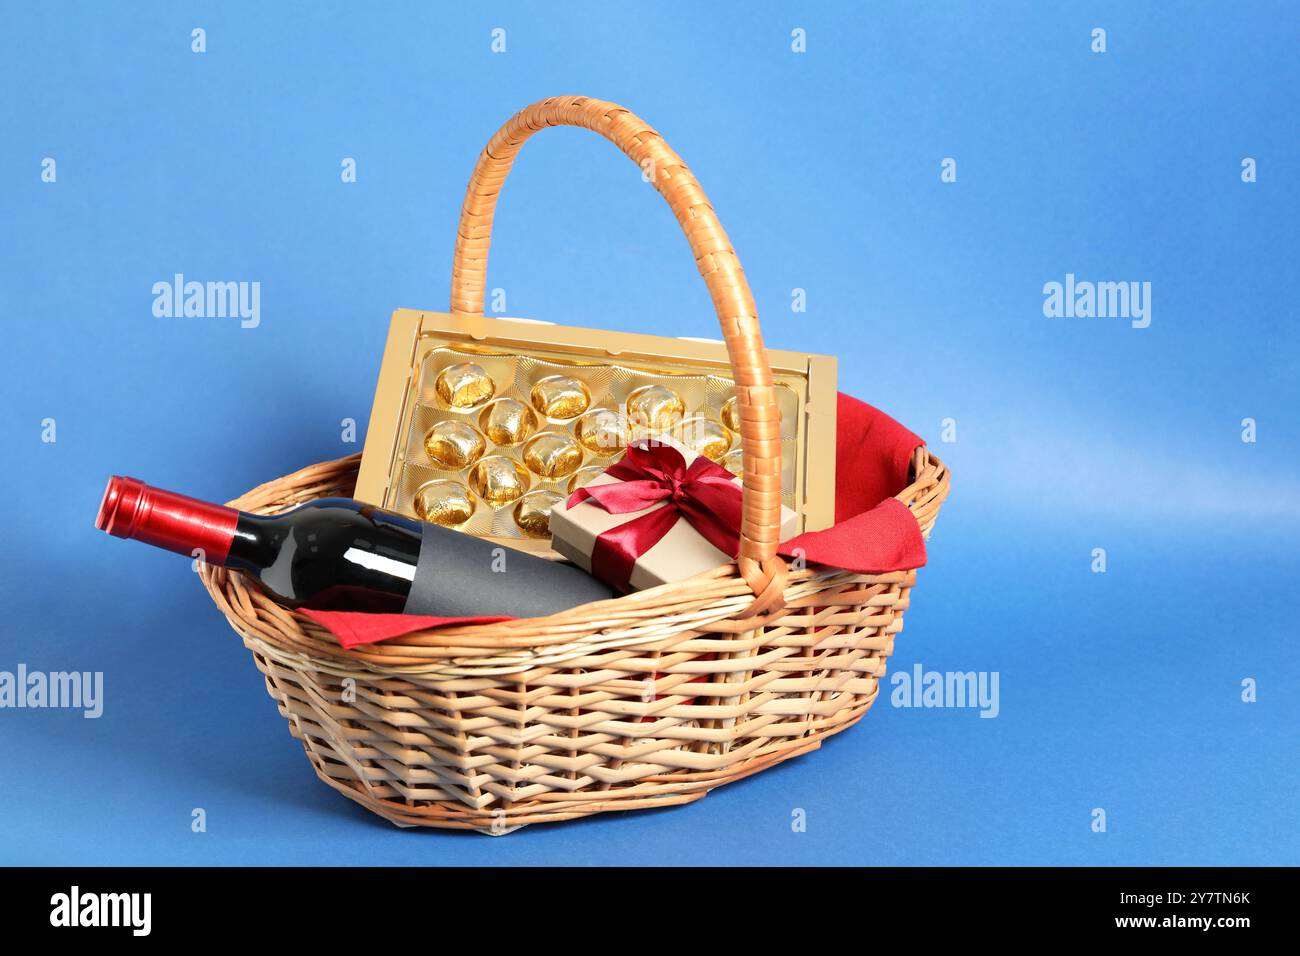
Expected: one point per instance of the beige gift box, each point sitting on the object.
(681, 553)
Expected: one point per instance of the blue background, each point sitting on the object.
(1119, 690)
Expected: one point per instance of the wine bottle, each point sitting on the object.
(342, 555)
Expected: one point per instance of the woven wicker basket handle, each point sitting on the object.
(764, 571)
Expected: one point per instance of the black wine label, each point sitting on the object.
(459, 575)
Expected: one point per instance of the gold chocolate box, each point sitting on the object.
(481, 424)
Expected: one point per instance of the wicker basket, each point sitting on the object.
(648, 700)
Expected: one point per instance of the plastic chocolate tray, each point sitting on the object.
(484, 432)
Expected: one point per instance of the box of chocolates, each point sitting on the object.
(484, 424)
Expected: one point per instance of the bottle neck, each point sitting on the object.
(164, 519)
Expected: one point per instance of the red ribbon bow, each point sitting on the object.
(651, 472)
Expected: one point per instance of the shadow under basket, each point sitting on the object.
(647, 700)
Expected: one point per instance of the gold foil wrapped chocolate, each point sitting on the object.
(453, 444)
(654, 408)
(730, 414)
(499, 480)
(444, 502)
(602, 431)
(507, 421)
(552, 455)
(464, 385)
(560, 397)
(706, 437)
(532, 513)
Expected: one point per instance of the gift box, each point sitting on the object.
(662, 513)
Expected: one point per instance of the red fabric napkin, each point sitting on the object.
(354, 628)
(873, 457)
(873, 532)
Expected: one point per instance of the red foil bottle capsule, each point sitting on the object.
(132, 509)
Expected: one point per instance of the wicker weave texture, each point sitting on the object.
(644, 701)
